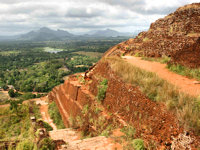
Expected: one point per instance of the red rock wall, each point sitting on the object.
(70, 99)
(127, 101)
(188, 56)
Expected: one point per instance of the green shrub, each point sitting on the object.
(47, 126)
(55, 115)
(102, 90)
(185, 71)
(46, 144)
(14, 104)
(138, 144)
(25, 145)
(5, 87)
(129, 132)
(11, 93)
(163, 60)
(138, 54)
(28, 95)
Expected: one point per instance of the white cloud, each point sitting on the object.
(19, 16)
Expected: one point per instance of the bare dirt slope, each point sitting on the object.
(185, 85)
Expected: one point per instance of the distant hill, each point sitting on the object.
(46, 34)
(107, 33)
(8, 38)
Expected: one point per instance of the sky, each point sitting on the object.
(77, 16)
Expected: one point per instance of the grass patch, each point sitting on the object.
(138, 54)
(129, 137)
(55, 115)
(18, 126)
(92, 123)
(102, 90)
(162, 60)
(185, 71)
(138, 144)
(90, 54)
(26, 145)
(186, 108)
(146, 39)
(46, 144)
(129, 132)
(47, 126)
(8, 53)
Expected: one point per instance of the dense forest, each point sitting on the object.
(28, 67)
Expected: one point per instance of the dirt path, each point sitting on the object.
(6, 105)
(184, 84)
(44, 112)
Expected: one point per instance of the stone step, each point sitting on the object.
(67, 135)
(95, 143)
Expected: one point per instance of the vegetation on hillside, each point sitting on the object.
(185, 107)
(55, 115)
(185, 71)
(28, 67)
(162, 60)
(102, 90)
(17, 127)
(40, 77)
(80, 63)
(15, 123)
(91, 116)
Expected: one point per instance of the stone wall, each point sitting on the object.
(70, 99)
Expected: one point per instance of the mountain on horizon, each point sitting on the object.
(107, 33)
(46, 34)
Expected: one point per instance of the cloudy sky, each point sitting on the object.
(21, 16)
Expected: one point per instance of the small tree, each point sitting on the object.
(14, 104)
(11, 93)
(5, 87)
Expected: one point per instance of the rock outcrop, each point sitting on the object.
(174, 35)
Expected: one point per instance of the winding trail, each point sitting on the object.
(185, 85)
(44, 112)
(67, 135)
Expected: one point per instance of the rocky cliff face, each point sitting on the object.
(126, 104)
(173, 36)
(177, 36)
